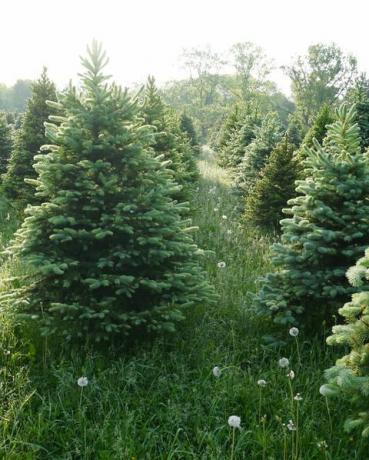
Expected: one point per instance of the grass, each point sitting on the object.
(160, 400)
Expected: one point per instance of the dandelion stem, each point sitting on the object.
(297, 430)
(233, 439)
(330, 418)
(298, 351)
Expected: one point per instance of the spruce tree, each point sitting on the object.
(320, 125)
(110, 251)
(359, 96)
(349, 378)
(225, 134)
(188, 128)
(257, 152)
(327, 231)
(28, 141)
(272, 190)
(170, 141)
(5, 142)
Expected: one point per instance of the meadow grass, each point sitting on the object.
(160, 399)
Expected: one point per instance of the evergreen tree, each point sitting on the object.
(28, 141)
(349, 378)
(359, 96)
(226, 133)
(243, 134)
(170, 141)
(110, 251)
(319, 127)
(295, 130)
(188, 128)
(327, 232)
(5, 142)
(257, 152)
(273, 188)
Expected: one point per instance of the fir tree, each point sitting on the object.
(327, 232)
(28, 141)
(110, 251)
(225, 134)
(243, 134)
(5, 142)
(273, 188)
(349, 378)
(295, 130)
(170, 141)
(257, 152)
(359, 96)
(188, 128)
(319, 127)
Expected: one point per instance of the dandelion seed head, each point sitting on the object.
(294, 332)
(217, 371)
(234, 421)
(224, 217)
(291, 426)
(221, 264)
(298, 397)
(291, 374)
(262, 383)
(82, 382)
(283, 362)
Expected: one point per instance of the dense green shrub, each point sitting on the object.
(110, 251)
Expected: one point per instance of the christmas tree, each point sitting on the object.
(349, 378)
(257, 152)
(273, 188)
(188, 128)
(225, 134)
(359, 96)
(28, 141)
(170, 141)
(328, 230)
(110, 251)
(5, 142)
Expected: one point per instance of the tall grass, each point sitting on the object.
(160, 400)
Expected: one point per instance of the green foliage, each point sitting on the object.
(225, 134)
(257, 152)
(349, 378)
(326, 234)
(320, 77)
(170, 141)
(188, 128)
(28, 141)
(14, 99)
(5, 142)
(273, 188)
(319, 127)
(359, 95)
(295, 130)
(110, 251)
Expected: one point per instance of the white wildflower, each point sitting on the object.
(291, 374)
(229, 231)
(283, 362)
(234, 421)
(294, 332)
(322, 445)
(221, 264)
(298, 397)
(217, 371)
(262, 383)
(224, 217)
(82, 382)
(291, 426)
(216, 209)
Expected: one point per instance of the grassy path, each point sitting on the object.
(160, 400)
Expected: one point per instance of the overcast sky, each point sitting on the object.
(145, 37)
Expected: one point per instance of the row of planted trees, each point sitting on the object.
(315, 194)
(107, 236)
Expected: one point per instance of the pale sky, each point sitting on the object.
(145, 37)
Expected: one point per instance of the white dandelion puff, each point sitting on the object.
(217, 371)
(262, 383)
(221, 264)
(82, 382)
(234, 421)
(291, 374)
(294, 332)
(283, 362)
(298, 397)
(291, 426)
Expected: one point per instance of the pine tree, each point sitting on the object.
(243, 134)
(349, 378)
(295, 130)
(327, 232)
(273, 188)
(28, 141)
(359, 96)
(110, 251)
(188, 128)
(257, 152)
(5, 142)
(319, 127)
(225, 134)
(170, 141)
